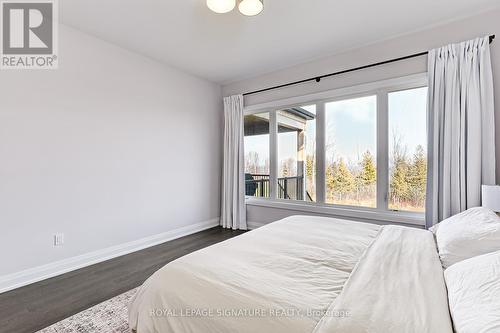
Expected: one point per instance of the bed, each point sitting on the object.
(301, 274)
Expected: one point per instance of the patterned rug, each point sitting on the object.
(110, 316)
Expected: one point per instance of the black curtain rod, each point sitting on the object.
(318, 78)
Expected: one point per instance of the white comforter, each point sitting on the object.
(301, 274)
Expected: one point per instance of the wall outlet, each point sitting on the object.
(58, 239)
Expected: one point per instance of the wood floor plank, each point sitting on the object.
(36, 306)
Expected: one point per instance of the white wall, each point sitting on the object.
(481, 25)
(110, 148)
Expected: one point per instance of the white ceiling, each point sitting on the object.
(228, 47)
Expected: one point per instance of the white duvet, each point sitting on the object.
(474, 294)
(301, 274)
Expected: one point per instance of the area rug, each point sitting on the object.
(110, 316)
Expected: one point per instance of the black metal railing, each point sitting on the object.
(257, 185)
(292, 188)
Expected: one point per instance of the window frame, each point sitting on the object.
(381, 90)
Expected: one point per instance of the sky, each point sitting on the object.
(351, 127)
(408, 116)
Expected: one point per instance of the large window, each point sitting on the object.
(351, 140)
(362, 148)
(297, 153)
(407, 149)
(257, 155)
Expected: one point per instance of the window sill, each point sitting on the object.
(415, 219)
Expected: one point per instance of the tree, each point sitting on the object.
(310, 166)
(267, 166)
(399, 149)
(417, 177)
(285, 171)
(252, 162)
(310, 176)
(344, 182)
(399, 169)
(365, 176)
(368, 173)
(331, 171)
(399, 183)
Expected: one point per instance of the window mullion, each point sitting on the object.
(382, 150)
(273, 153)
(320, 153)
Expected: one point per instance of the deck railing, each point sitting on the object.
(257, 185)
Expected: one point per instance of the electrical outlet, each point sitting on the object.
(58, 239)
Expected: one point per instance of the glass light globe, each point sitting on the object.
(221, 6)
(251, 7)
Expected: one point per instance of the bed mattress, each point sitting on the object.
(301, 274)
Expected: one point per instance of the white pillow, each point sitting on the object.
(474, 294)
(468, 234)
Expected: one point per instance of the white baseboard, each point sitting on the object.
(36, 274)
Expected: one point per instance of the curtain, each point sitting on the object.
(461, 133)
(233, 213)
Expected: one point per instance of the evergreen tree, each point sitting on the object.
(417, 177)
(368, 173)
(399, 181)
(344, 180)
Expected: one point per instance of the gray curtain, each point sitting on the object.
(233, 211)
(461, 133)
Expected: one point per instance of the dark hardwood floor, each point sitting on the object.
(39, 305)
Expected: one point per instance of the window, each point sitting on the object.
(351, 166)
(257, 155)
(297, 153)
(361, 148)
(407, 149)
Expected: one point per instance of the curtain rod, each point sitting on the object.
(318, 78)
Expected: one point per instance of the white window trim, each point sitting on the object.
(381, 90)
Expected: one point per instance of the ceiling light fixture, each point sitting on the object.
(246, 7)
(251, 7)
(221, 6)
